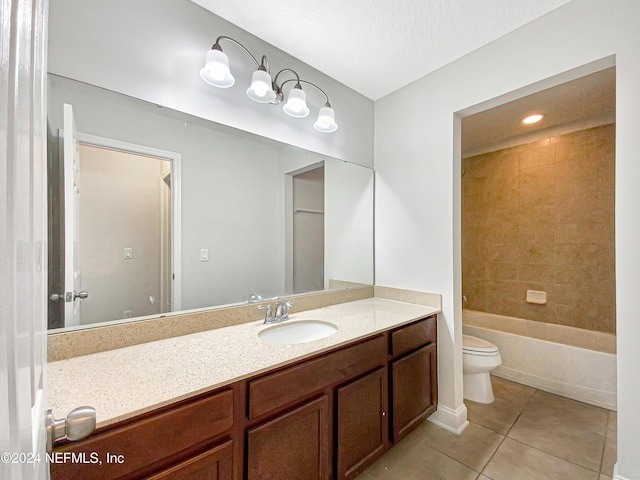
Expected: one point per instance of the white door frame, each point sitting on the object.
(176, 199)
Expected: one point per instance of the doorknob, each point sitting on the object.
(54, 297)
(79, 424)
(81, 295)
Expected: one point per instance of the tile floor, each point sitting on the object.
(526, 434)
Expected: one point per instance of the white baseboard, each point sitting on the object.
(615, 474)
(454, 421)
(576, 392)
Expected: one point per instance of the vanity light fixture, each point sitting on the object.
(265, 89)
(532, 119)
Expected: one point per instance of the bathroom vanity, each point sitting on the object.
(327, 415)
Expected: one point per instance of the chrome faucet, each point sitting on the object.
(282, 312)
(268, 316)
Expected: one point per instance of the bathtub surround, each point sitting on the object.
(575, 363)
(540, 216)
(575, 337)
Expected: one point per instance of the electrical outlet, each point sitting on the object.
(126, 314)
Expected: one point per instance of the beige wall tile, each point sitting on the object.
(541, 216)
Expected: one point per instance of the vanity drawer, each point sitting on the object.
(150, 443)
(276, 390)
(413, 336)
(214, 464)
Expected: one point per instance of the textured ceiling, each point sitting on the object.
(378, 46)
(582, 103)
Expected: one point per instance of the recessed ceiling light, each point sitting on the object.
(532, 119)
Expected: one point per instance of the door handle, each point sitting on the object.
(54, 297)
(79, 424)
(81, 295)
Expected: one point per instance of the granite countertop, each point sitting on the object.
(126, 382)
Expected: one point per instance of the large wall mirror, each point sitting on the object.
(153, 211)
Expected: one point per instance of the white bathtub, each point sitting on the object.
(572, 362)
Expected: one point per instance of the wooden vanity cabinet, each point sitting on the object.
(317, 397)
(361, 423)
(323, 418)
(213, 464)
(414, 383)
(172, 437)
(294, 445)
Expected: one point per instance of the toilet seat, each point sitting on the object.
(477, 346)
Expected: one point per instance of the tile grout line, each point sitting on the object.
(506, 434)
(434, 447)
(535, 390)
(604, 445)
(554, 456)
(494, 454)
(551, 454)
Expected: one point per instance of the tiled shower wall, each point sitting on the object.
(540, 216)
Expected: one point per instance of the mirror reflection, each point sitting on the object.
(154, 211)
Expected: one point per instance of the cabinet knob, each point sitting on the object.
(79, 424)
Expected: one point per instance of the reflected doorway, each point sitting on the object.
(124, 241)
(114, 216)
(307, 232)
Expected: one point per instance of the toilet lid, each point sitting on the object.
(474, 344)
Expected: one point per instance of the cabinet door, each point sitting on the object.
(413, 380)
(292, 446)
(214, 464)
(362, 423)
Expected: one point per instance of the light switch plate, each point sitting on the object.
(204, 254)
(128, 253)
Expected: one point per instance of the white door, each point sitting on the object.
(72, 277)
(23, 241)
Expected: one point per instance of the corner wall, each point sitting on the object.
(417, 161)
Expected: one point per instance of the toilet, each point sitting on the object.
(479, 357)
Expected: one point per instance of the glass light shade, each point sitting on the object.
(216, 70)
(261, 90)
(296, 105)
(326, 122)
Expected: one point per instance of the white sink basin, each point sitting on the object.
(298, 332)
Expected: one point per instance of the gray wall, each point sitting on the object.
(154, 50)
